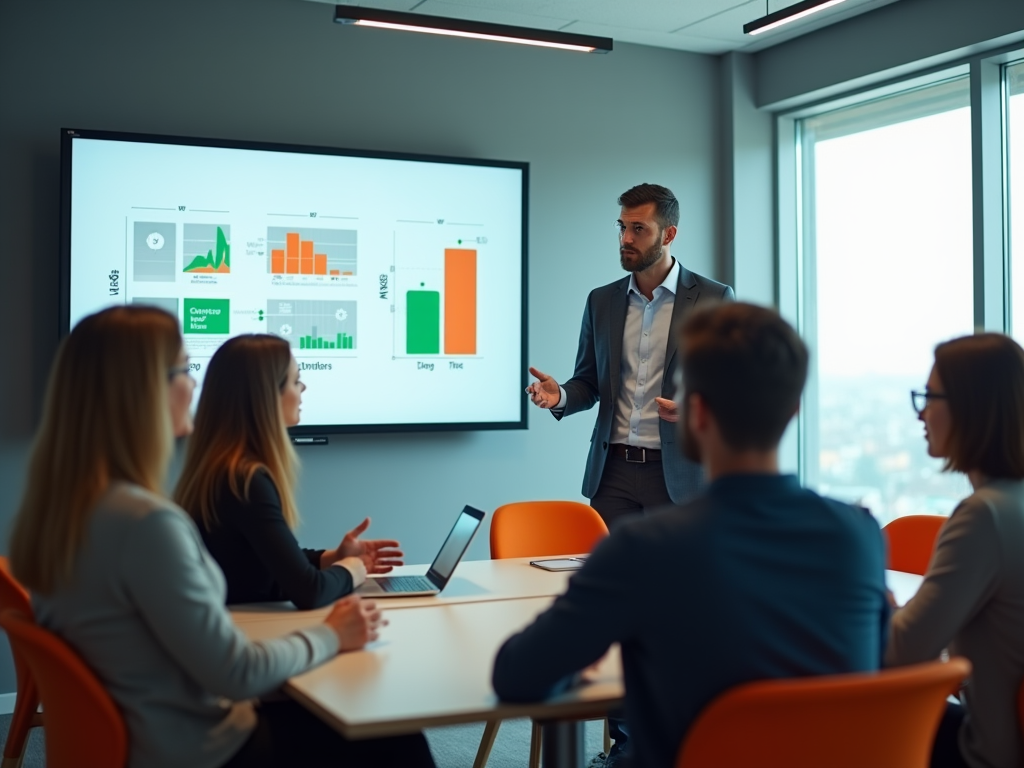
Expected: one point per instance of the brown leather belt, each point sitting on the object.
(633, 454)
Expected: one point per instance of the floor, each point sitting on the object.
(453, 747)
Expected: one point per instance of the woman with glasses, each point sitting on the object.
(238, 480)
(121, 573)
(972, 597)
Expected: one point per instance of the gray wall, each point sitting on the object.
(895, 39)
(279, 70)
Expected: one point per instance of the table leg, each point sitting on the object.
(564, 744)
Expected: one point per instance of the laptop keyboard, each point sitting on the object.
(406, 584)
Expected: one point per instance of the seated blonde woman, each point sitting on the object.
(122, 575)
(972, 597)
(238, 477)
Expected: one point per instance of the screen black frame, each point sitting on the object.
(432, 573)
(68, 135)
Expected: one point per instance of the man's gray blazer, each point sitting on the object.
(599, 365)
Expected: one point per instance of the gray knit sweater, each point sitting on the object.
(145, 609)
(972, 600)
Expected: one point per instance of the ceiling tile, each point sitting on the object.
(657, 39)
(700, 26)
(511, 14)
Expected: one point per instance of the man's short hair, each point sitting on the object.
(666, 207)
(983, 380)
(749, 366)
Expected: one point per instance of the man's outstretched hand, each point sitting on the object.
(544, 393)
(667, 409)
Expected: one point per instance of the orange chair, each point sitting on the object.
(540, 529)
(882, 719)
(912, 540)
(83, 727)
(14, 597)
(544, 529)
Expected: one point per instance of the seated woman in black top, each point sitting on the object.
(238, 477)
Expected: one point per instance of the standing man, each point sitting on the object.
(625, 363)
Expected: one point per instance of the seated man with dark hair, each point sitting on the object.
(755, 578)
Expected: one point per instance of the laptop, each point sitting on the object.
(441, 569)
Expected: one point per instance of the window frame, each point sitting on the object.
(794, 179)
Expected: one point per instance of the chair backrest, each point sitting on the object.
(545, 528)
(83, 726)
(836, 721)
(912, 541)
(14, 597)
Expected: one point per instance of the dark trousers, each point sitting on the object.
(629, 489)
(289, 735)
(946, 747)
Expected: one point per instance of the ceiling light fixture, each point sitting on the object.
(439, 25)
(786, 15)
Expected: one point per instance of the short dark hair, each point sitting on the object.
(666, 207)
(749, 366)
(983, 379)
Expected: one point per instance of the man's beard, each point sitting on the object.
(647, 258)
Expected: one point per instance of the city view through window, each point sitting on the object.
(892, 276)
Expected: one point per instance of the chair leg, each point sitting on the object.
(486, 743)
(607, 738)
(536, 738)
(26, 716)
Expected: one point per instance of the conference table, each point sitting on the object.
(432, 664)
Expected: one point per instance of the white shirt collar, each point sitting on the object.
(670, 283)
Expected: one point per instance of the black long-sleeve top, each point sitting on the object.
(260, 556)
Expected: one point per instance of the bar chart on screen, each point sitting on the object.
(436, 301)
(312, 255)
(313, 326)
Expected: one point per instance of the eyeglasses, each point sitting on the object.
(173, 372)
(638, 230)
(919, 400)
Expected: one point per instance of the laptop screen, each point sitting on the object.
(455, 546)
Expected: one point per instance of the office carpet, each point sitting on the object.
(453, 747)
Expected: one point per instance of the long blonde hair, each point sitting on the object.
(105, 419)
(240, 429)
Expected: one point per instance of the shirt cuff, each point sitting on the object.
(561, 400)
(322, 643)
(355, 567)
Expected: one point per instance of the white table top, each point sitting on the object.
(903, 585)
(433, 668)
(474, 581)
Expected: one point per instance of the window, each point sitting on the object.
(1014, 152)
(887, 273)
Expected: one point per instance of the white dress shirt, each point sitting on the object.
(644, 343)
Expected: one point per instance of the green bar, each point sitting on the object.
(309, 342)
(349, 342)
(330, 345)
(302, 342)
(319, 343)
(423, 323)
(341, 341)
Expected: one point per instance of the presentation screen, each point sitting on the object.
(398, 280)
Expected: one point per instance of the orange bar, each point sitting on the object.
(307, 257)
(292, 253)
(346, 273)
(319, 264)
(335, 272)
(459, 301)
(277, 261)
